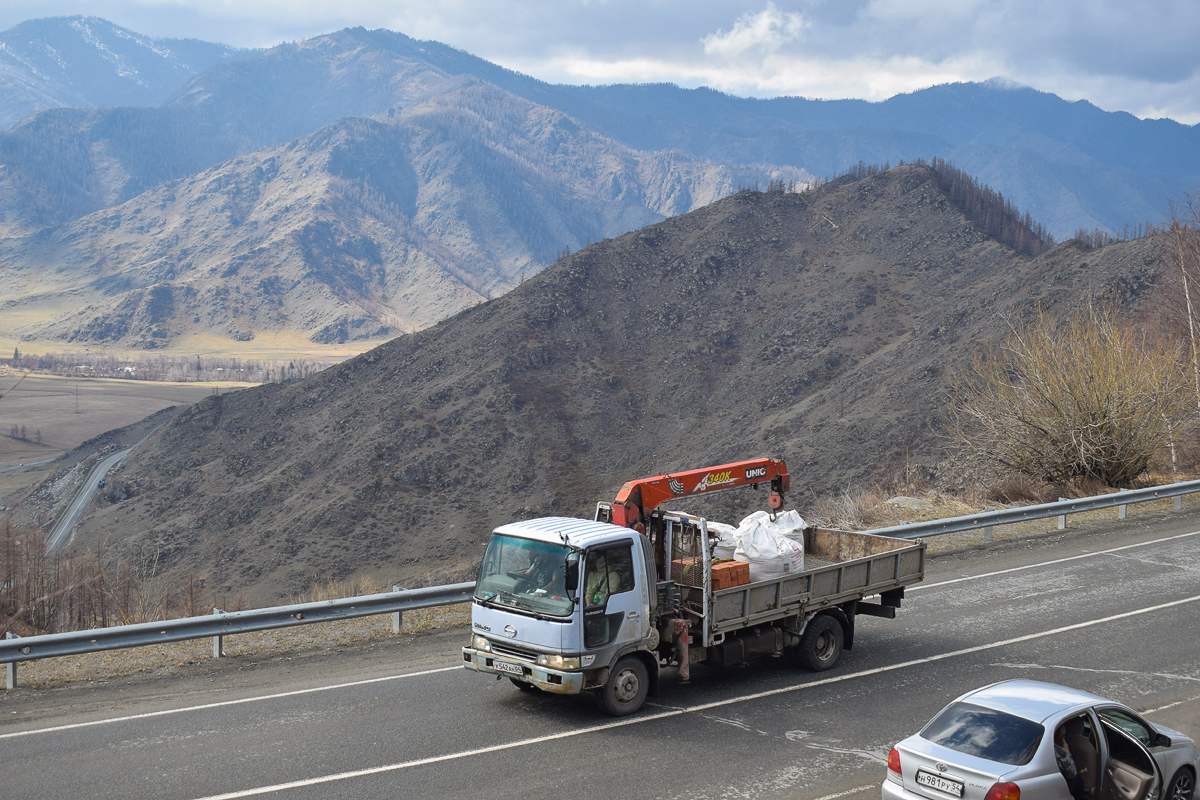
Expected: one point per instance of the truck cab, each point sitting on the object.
(566, 606)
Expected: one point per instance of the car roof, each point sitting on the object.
(577, 532)
(1033, 700)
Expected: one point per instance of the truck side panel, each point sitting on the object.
(874, 565)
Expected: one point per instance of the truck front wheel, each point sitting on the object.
(626, 689)
(821, 645)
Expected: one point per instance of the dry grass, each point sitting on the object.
(866, 509)
(48, 403)
(280, 346)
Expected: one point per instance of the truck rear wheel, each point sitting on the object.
(626, 689)
(821, 645)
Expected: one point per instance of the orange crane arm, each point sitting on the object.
(637, 499)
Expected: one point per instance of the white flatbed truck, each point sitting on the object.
(570, 606)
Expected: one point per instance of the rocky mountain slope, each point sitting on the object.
(818, 327)
(89, 62)
(1071, 165)
(256, 201)
(362, 230)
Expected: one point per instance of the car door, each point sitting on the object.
(1129, 771)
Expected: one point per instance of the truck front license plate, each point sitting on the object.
(510, 669)
(938, 782)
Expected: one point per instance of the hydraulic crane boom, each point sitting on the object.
(637, 499)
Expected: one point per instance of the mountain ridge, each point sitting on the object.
(361, 230)
(80, 61)
(817, 327)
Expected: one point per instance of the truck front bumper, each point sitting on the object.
(548, 680)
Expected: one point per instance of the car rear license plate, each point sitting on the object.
(506, 667)
(938, 782)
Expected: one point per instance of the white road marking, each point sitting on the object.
(1172, 705)
(221, 703)
(1092, 554)
(864, 754)
(1138, 673)
(359, 773)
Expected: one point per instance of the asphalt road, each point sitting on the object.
(30, 464)
(1116, 612)
(61, 533)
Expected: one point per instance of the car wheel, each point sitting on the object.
(522, 685)
(1181, 786)
(626, 689)
(821, 645)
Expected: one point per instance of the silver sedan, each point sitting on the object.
(999, 743)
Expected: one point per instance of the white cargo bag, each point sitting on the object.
(724, 538)
(788, 523)
(768, 554)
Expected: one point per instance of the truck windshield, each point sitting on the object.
(534, 576)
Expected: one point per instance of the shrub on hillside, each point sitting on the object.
(1091, 397)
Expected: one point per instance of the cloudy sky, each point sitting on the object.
(1140, 56)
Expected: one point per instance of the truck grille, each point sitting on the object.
(503, 649)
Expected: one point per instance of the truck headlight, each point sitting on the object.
(480, 643)
(558, 662)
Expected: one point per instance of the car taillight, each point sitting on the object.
(894, 764)
(1004, 791)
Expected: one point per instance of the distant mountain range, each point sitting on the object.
(87, 62)
(363, 184)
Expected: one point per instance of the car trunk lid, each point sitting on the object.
(939, 773)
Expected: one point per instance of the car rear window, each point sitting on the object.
(985, 733)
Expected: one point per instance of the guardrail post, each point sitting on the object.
(1062, 518)
(397, 617)
(1178, 498)
(1123, 508)
(987, 531)
(218, 640)
(10, 669)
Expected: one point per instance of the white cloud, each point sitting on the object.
(764, 32)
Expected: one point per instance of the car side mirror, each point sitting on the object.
(1161, 740)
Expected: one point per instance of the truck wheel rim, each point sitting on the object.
(826, 645)
(626, 687)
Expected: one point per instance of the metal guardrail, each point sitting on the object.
(219, 624)
(989, 519)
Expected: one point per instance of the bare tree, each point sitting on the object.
(1089, 397)
(1185, 225)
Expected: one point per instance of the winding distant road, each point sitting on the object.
(66, 523)
(30, 464)
(1114, 610)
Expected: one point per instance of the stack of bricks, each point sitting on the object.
(728, 574)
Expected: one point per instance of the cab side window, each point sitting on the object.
(608, 571)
